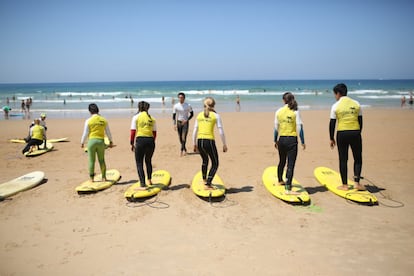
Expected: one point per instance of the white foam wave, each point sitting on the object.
(368, 91)
(216, 92)
(90, 94)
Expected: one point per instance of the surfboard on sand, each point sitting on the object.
(270, 181)
(112, 176)
(56, 140)
(332, 179)
(38, 150)
(21, 183)
(160, 180)
(199, 189)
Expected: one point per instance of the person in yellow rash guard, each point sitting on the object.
(348, 113)
(204, 141)
(142, 140)
(95, 129)
(288, 126)
(37, 136)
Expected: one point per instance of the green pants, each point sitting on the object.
(96, 147)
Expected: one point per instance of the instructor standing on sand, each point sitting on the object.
(182, 114)
(95, 128)
(349, 115)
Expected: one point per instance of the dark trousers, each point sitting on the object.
(344, 140)
(144, 149)
(182, 130)
(32, 142)
(288, 150)
(207, 149)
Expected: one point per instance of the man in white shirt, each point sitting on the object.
(182, 113)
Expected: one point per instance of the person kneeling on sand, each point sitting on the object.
(37, 136)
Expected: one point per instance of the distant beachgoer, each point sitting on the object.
(28, 105)
(7, 101)
(23, 106)
(288, 126)
(410, 101)
(95, 128)
(163, 101)
(348, 113)
(182, 114)
(403, 101)
(6, 110)
(142, 140)
(132, 101)
(64, 101)
(204, 140)
(37, 136)
(238, 103)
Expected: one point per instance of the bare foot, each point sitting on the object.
(208, 187)
(343, 187)
(141, 188)
(149, 182)
(282, 183)
(290, 192)
(360, 187)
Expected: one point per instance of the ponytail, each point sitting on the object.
(289, 99)
(209, 104)
(143, 107)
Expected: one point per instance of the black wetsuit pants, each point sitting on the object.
(344, 139)
(32, 142)
(207, 149)
(288, 150)
(144, 149)
(182, 130)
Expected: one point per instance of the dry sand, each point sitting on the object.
(51, 230)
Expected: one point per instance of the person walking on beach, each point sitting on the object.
(348, 113)
(182, 114)
(204, 140)
(95, 129)
(37, 136)
(142, 139)
(288, 126)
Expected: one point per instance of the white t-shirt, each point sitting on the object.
(182, 111)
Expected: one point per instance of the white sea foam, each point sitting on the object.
(367, 91)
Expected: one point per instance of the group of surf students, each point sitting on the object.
(346, 113)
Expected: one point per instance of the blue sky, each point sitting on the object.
(76, 41)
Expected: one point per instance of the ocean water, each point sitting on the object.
(71, 100)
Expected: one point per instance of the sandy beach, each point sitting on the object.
(51, 230)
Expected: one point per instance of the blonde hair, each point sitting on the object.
(209, 104)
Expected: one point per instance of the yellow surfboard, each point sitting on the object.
(271, 183)
(160, 179)
(21, 183)
(54, 140)
(199, 189)
(332, 179)
(38, 150)
(112, 176)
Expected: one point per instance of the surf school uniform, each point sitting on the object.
(144, 131)
(37, 135)
(288, 125)
(203, 137)
(95, 128)
(348, 113)
(182, 112)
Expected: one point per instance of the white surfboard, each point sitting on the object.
(21, 183)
